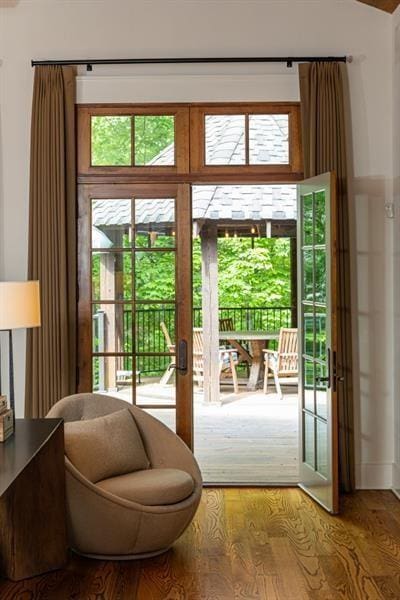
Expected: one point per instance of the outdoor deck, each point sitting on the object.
(250, 438)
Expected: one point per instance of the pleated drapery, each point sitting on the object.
(51, 349)
(325, 110)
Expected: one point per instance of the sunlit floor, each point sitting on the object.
(249, 437)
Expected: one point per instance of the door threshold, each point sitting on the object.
(261, 484)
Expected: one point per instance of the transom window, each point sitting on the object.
(206, 141)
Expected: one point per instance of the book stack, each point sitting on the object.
(6, 420)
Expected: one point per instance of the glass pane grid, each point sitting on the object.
(314, 318)
(132, 140)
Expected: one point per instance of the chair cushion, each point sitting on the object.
(106, 446)
(153, 487)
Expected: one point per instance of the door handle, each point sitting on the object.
(181, 364)
(182, 356)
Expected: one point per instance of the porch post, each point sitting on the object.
(209, 267)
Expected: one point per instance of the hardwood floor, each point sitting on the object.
(272, 544)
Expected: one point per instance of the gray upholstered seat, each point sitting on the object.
(134, 514)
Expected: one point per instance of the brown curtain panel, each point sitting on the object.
(324, 112)
(51, 349)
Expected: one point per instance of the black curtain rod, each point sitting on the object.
(289, 60)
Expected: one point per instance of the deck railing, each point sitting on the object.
(150, 339)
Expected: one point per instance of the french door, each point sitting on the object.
(134, 245)
(317, 289)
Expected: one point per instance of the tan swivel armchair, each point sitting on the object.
(102, 524)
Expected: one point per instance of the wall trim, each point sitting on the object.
(396, 479)
(266, 87)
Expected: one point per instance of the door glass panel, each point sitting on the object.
(155, 223)
(225, 140)
(308, 330)
(155, 266)
(111, 276)
(112, 328)
(150, 370)
(322, 448)
(308, 269)
(155, 327)
(307, 225)
(320, 333)
(320, 217)
(320, 276)
(321, 390)
(268, 139)
(309, 440)
(113, 375)
(111, 223)
(111, 141)
(308, 378)
(154, 140)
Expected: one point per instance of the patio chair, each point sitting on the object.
(244, 358)
(227, 361)
(284, 361)
(171, 348)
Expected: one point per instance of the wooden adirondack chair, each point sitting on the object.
(171, 348)
(283, 362)
(227, 361)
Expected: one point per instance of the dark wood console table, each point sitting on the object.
(32, 499)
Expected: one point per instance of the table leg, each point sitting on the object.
(257, 364)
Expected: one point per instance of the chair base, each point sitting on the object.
(121, 556)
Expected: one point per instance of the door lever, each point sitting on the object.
(181, 364)
(182, 356)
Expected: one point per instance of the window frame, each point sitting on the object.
(190, 164)
(198, 139)
(181, 138)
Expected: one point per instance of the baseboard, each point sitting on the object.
(374, 476)
(396, 479)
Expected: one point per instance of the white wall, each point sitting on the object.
(119, 28)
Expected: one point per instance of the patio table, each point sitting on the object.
(258, 341)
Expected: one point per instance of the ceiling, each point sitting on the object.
(386, 5)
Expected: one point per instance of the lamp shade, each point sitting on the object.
(19, 304)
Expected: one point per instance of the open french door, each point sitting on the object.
(129, 237)
(317, 289)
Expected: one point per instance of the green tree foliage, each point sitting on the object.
(254, 277)
(112, 138)
(152, 135)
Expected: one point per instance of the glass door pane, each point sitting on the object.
(134, 301)
(317, 385)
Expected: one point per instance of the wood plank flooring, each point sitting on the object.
(244, 544)
(250, 438)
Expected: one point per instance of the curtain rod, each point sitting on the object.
(289, 60)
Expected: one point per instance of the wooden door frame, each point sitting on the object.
(183, 278)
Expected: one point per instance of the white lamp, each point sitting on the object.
(19, 308)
